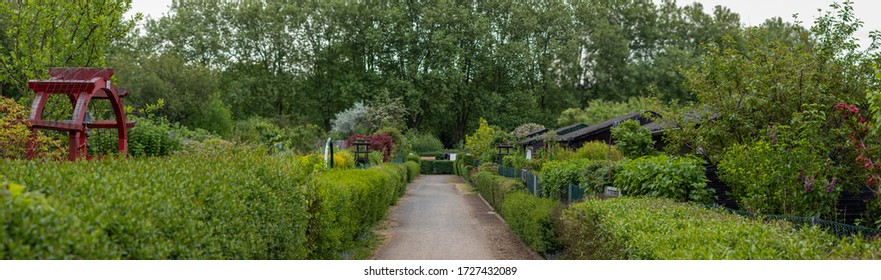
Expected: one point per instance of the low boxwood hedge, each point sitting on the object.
(652, 228)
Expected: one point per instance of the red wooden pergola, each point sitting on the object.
(81, 85)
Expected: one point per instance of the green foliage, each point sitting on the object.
(598, 150)
(679, 178)
(660, 229)
(436, 167)
(216, 118)
(375, 157)
(43, 35)
(746, 88)
(401, 145)
(213, 203)
(533, 220)
(599, 110)
(414, 158)
(344, 204)
(786, 173)
(494, 188)
(632, 139)
(557, 175)
(412, 170)
(16, 135)
(150, 137)
(596, 176)
(424, 143)
(480, 143)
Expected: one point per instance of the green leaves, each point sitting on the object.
(632, 139)
(649, 228)
(679, 178)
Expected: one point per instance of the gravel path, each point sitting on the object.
(441, 219)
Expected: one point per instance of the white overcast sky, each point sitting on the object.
(752, 12)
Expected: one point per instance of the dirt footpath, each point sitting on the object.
(441, 219)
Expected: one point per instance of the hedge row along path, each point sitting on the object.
(439, 218)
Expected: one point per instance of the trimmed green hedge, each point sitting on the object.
(533, 220)
(651, 228)
(494, 188)
(437, 167)
(530, 218)
(217, 203)
(247, 206)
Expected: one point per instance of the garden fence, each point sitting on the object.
(835, 228)
(574, 192)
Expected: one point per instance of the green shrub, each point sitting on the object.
(651, 228)
(632, 139)
(149, 137)
(679, 178)
(595, 177)
(412, 170)
(557, 175)
(495, 188)
(467, 160)
(424, 143)
(598, 150)
(787, 173)
(375, 157)
(532, 219)
(215, 117)
(414, 158)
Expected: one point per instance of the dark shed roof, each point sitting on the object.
(541, 135)
(607, 125)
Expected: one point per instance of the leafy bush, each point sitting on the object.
(400, 143)
(480, 142)
(424, 143)
(412, 170)
(216, 117)
(766, 179)
(679, 178)
(15, 135)
(149, 137)
(343, 159)
(414, 158)
(632, 139)
(375, 157)
(302, 138)
(598, 150)
(256, 130)
(557, 175)
(595, 177)
(532, 219)
(651, 228)
(495, 188)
